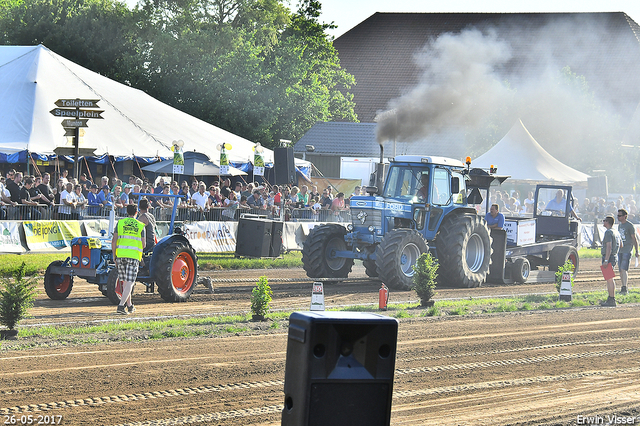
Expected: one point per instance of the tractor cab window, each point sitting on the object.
(461, 195)
(552, 202)
(404, 183)
(441, 193)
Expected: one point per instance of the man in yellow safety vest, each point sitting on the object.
(127, 245)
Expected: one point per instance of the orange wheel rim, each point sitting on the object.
(182, 273)
(573, 260)
(63, 283)
(119, 288)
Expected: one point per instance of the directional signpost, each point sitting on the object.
(76, 116)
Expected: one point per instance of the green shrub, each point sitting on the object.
(261, 296)
(16, 298)
(568, 266)
(424, 277)
(433, 311)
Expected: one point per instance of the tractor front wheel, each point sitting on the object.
(57, 286)
(114, 287)
(318, 252)
(396, 255)
(177, 272)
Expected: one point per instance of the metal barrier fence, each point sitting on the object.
(183, 214)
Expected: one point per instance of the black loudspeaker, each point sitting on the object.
(276, 238)
(597, 186)
(284, 165)
(339, 369)
(254, 237)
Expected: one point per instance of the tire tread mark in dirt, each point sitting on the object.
(200, 418)
(138, 396)
(235, 386)
(534, 360)
(273, 409)
(503, 351)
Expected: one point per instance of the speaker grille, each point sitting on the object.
(349, 404)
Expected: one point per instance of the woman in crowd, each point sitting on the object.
(231, 205)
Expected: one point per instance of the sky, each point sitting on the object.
(349, 13)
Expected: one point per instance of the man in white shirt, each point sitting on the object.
(67, 202)
(200, 199)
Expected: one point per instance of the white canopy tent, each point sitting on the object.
(33, 78)
(521, 157)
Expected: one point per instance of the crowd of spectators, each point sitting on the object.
(36, 197)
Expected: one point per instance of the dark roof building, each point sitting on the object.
(380, 51)
(333, 140)
(392, 57)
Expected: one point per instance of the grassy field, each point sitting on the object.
(36, 263)
(146, 329)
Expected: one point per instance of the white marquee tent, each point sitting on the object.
(521, 157)
(33, 78)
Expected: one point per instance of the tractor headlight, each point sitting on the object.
(75, 260)
(350, 227)
(85, 261)
(371, 228)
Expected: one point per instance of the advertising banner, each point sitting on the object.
(178, 160)
(224, 159)
(10, 238)
(258, 160)
(212, 237)
(45, 235)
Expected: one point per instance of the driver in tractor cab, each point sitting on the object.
(424, 190)
(558, 204)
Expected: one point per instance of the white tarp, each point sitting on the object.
(10, 238)
(33, 78)
(519, 155)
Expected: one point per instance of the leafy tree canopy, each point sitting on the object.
(252, 67)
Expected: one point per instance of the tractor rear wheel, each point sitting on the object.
(318, 252)
(114, 287)
(463, 244)
(57, 286)
(177, 272)
(395, 256)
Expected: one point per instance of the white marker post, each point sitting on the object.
(317, 297)
(565, 287)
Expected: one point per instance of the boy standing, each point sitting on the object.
(611, 243)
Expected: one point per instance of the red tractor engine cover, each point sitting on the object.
(85, 252)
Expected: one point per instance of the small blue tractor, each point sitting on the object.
(172, 265)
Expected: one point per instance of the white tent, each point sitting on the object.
(521, 157)
(33, 78)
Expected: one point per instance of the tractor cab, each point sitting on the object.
(553, 211)
(420, 191)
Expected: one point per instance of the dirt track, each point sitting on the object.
(543, 367)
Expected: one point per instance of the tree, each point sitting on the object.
(97, 34)
(251, 67)
(259, 72)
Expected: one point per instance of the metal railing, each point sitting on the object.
(183, 213)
